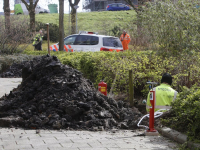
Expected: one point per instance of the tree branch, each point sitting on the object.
(70, 2)
(36, 3)
(76, 2)
(25, 3)
(132, 5)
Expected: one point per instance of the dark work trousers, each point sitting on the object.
(38, 46)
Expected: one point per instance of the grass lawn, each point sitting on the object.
(29, 47)
(101, 22)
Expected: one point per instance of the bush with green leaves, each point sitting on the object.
(185, 113)
(7, 60)
(116, 31)
(17, 38)
(53, 31)
(173, 26)
(71, 59)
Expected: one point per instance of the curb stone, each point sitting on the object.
(177, 136)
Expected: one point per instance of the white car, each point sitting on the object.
(39, 10)
(89, 41)
(21, 9)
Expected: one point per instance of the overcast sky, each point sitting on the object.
(44, 4)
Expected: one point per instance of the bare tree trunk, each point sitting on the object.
(32, 20)
(73, 21)
(31, 9)
(7, 15)
(73, 15)
(61, 27)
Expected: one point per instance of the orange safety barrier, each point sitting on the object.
(65, 47)
(56, 47)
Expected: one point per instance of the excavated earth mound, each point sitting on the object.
(14, 71)
(56, 96)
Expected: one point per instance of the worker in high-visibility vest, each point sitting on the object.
(37, 41)
(125, 39)
(164, 94)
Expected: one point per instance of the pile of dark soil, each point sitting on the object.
(14, 71)
(56, 96)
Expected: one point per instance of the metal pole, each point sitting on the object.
(48, 38)
(131, 93)
(76, 20)
(69, 20)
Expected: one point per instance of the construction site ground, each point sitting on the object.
(21, 139)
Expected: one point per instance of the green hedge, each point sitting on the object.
(185, 113)
(146, 66)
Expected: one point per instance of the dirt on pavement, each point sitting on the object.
(56, 96)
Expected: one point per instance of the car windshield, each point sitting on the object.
(70, 40)
(112, 42)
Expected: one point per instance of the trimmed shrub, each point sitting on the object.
(114, 68)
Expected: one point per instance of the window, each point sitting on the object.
(70, 40)
(112, 42)
(86, 40)
(121, 5)
(114, 5)
(94, 40)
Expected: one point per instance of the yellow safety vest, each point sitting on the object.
(37, 39)
(164, 96)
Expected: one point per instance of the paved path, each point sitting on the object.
(20, 139)
(14, 139)
(8, 84)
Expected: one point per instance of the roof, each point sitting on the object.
(116, 3)
(93, 35)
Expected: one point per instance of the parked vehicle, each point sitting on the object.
(117, 7)
(89, 41)
(21, 9)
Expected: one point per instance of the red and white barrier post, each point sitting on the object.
(151, 131)
(151, 112)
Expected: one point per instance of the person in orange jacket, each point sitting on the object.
(125, 39)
